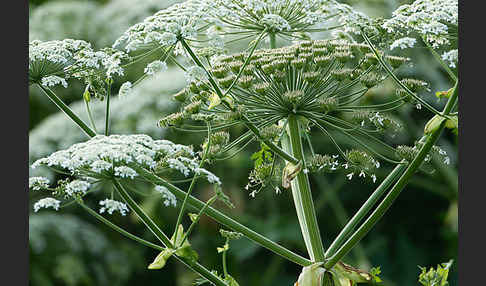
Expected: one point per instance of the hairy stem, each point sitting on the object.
(302, 195)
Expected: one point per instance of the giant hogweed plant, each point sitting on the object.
(278, 94)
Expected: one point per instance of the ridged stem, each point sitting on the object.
(302, 194)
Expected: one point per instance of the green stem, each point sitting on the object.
(193, 183)
(395, 79)
(441, 62)
(365, 208)
(142, 215)
(201, 270)
(273, 41)
(227, 221)
(119, 229)
(193, 224)
(88, 110)
(302, 195)
(396, 189)
(107, 118)
(225, 268)
(246, 61)
(247, 122)
(62, 106)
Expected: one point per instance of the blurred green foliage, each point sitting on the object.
(72, 249)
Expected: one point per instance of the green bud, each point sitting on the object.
(433, 124)
(192, 216)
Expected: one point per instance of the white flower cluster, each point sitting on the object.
(164, 27)
(125, 89)
(432, 19)
(403, 43)
(102, 154)
(111, 206)
(155, 67)
(117, 155)
(451, 57)
(38, 183)
(169, 198)
(195, 73)
(52, 62)
(276, 15)
(47, 203)
(152, 97)
(275, 22)
(77, 188)
(54, 80)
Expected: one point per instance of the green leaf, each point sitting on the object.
(374, 272)
(435, 277)
(185, 249)
(161, 259)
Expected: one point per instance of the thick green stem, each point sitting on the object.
(227, 221)
(365, 208)
(302, 195)
(62, 106)
(396, 189)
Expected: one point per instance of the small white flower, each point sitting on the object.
(362, 174)
(111, 206)
(47, 203)
(374, 178)
(38, 183)
(125, 89)
(277, 190)
(195, 73)
(155, 67)
(125, 172)
(451, 57)
(403, 43)
(54, 80)
(77, 187)
(350, 176)
(169, 198)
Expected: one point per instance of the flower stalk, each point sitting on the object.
(302, 194)
(67, 110)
